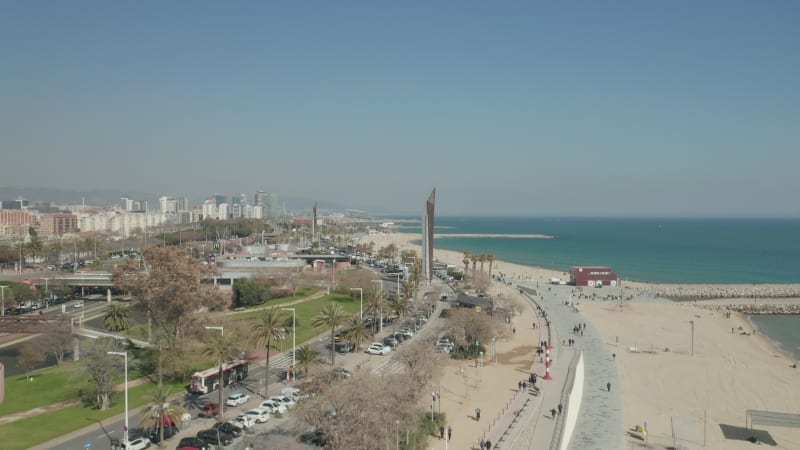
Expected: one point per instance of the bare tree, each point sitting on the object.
(101, 368)
(31, 355)
(57, 344)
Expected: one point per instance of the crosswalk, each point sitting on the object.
(389, 367)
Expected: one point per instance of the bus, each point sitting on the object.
(208, 380)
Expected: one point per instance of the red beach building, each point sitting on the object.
(593, 277)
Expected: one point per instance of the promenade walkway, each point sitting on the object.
(600, 424)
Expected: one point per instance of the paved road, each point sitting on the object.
(100, 435)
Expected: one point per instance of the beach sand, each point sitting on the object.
(663, 383)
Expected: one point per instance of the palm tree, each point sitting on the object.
(222, 347)
(474, 259)
(161, 413)
(268, 327)
(490, 258)
(375, 305)
(466, 260)
(482, 258)
(399, 305)
(358, 332)
(331, 316)
(408, 289)
(116, 317)
(305, 358)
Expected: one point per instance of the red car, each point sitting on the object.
(210, 410)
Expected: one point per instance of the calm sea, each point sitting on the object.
(651, 250)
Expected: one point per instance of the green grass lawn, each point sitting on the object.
(48, 386)
(59, 384)
(32, 431)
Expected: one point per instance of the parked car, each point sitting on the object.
(237, 399)
(273, 407)
(169, 431)
(345, 347)
(285, 400)
(243, 421)
(390, 342)
(215, 437)
(341, 373)
(407, 331)
(192, 443)
(258, 415)
(229, 428)
(209, 410)
(140, 443)
(379, 349)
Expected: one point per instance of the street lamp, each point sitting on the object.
(361, 296)
(380, 308)
(294, 342)
(221, 374)
(46, 297)
(3, 306)
(125, 431)
(692, 322)
(397, 434)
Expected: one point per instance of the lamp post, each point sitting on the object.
(433, 404)
(125, 430)
(46, 297)
(361, 297)
(294, 342)
(494, 350)
(398, 282)
(380, 309)
(397, 434)
(3, 306)
(221, 375)
(692, 323)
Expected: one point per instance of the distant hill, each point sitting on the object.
(97, 197)
(110, 197)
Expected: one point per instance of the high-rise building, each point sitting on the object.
(126, 204)
(168, 205)
(219, 199)
(268, 201)
(427, 237)
(183, 204)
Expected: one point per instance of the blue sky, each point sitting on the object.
(672, 108)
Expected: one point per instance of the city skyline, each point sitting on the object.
(632, 109)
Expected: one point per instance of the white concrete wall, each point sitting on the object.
(573, 404)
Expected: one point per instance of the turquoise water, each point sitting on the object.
(783, 330)
(720, 251)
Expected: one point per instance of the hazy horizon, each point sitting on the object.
(628, 109)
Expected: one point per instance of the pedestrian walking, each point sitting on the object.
(449, 432)
(441, 432)
(477, 414)
(608, 386)
(560, 408)
(614, 356)
(553, 413)
(488, 444)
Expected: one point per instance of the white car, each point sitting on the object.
(274, 407)
(237, 399)
(285, 400)
(379, 349)
(137, 444)
(243, 421)
(258, 415)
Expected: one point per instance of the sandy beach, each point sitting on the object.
(670, 379)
